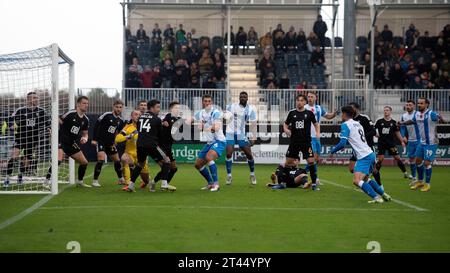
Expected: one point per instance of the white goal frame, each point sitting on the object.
(58, 57)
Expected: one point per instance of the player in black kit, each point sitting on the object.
(73, 132)
(387, 131)
(298, 127)
(105, 130)
(149, 127)
(171, 124)
(31, 122)
(288, 177)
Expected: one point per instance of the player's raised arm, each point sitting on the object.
(345, 133)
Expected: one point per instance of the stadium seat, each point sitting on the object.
(327, 42)
(338, 42)
(217, 42)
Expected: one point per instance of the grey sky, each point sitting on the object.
(89, 32)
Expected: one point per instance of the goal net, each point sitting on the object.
(36, 87)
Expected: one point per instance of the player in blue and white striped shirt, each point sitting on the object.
(408, 133)
(238, 115)
(425, 121)
(352, 132)
(319, 112)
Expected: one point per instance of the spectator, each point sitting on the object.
(157, 79)
(269, 82)
(170, 45)
(127, 33)
(209, 84)
(444, 81)
(136, 65)
(165, 53)
(266, 41)
(386, 34)
(194, 71)
(180, 35)
(434, 74)
(377, 37)
(221, 55)
(204, 46)
(182, 54)
(397, 77)
(155, 47)
(194, 83)
(193, 56)
(193, 33)
(241, 40)
(284, 81)
(445, 66)
(320, 28)
(218, 72)
(147, 77)
(279, 29)
(130, 55)
(252, 37)
(156, 32)
(409, 35)
(183, 66)
(140, 34)
(440, 49)
(232, 40)
(132, 79)
(317, 57)
(379, 78)
(416, 84)
(290, 39)
(313, 42)
(302, 86)
(427, 43)
(168, 70)
(179, 80)
(301, 40)
(278, 42)
(401, 51)
(168, 32)
(266, 65)
(205, 63)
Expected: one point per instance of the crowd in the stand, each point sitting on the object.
(182, 61)
(179, 59)
(414, 61)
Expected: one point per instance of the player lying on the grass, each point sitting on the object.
(149, 127)
(319, 112)
(298, 127)
(288, 177)
(425, 121)
(210, 123)
(369, 133)
(129, 135)
(73, 132)
(352, 132)
(171, 123)
(239, 114)
(408, 133)
(29, 121)
(387, 131)
(105, 130)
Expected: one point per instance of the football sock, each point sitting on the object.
(377, 177)
(213, 169)
(413, 168)
(367, 189)
(376, 187)
(228, 163)
(171, 174)
(126, 172)
(428, 171)
(81, 172)
(312, 174)
(251, 165)
(205, 173)
(420, 170)
(118, 169)
(10, 166)
(401, 165)
(98, 169)
(49, 172)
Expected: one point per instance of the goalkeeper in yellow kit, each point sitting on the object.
(129, 135)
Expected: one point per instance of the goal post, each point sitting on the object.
(36, 87)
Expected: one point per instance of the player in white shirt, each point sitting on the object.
(237, 116)
(352, 132)
(319, 112)
(408, 133)
(425, 121)
(210, 123)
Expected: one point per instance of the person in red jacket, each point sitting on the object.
(147, 77)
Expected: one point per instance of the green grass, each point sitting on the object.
(238, 218)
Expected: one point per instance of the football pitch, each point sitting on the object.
(238, 218)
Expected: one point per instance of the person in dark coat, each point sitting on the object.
(320, 28)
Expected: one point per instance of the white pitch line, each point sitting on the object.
(31, 209)
(400, 202)
(218, 207)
